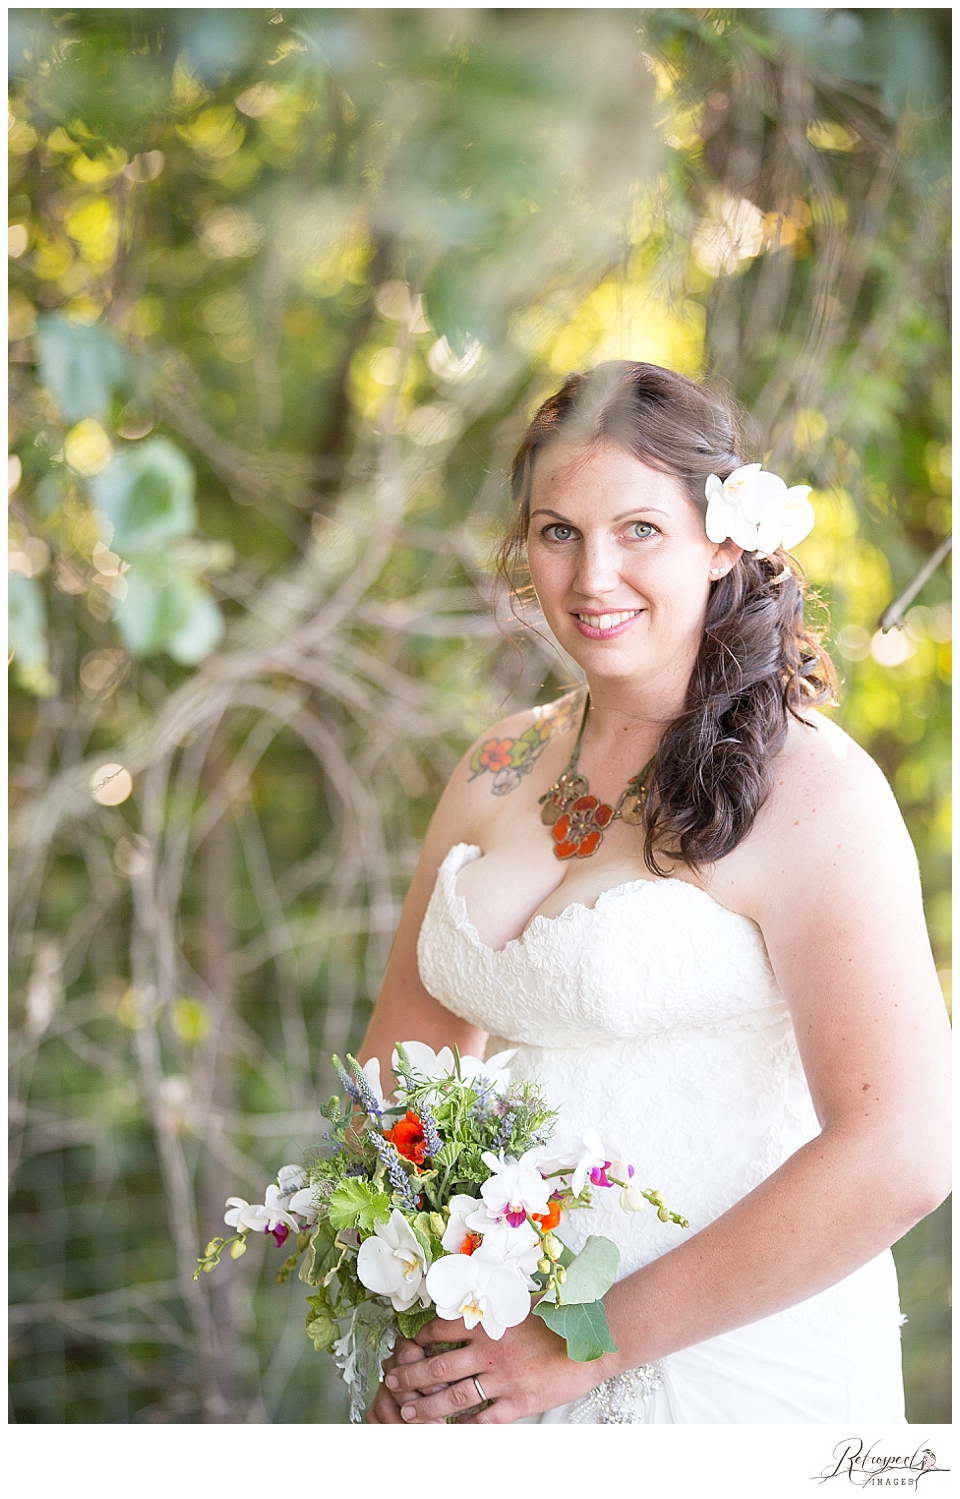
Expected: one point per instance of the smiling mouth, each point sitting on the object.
(606, 623)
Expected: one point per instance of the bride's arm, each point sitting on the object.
(831, 878)
(405, 1010)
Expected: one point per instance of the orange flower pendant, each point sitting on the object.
(577, 833)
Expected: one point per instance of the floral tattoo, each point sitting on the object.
(509, 760)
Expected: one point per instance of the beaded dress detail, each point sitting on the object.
(654, 1017)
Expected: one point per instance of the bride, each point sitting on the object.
(690, 902)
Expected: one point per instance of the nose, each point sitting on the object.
(598, 569)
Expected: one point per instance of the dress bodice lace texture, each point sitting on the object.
(655, 1018)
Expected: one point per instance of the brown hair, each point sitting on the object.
(758, 661)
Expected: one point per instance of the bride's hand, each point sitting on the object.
(385, 1411)
(527, 1371)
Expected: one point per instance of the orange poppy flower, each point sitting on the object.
(550, 1218)
(407, 1136)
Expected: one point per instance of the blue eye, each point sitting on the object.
(558, 532)
(645, 527)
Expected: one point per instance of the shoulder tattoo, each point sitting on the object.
(509, 760)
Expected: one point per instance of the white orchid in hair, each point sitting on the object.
(756, 510)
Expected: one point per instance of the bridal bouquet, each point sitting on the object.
(441, 1202)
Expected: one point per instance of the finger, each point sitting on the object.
(455, 1400)
(443, 1332)
(443, 1369)
(384, 1411)
(407, 1352)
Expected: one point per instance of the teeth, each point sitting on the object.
(607, 621)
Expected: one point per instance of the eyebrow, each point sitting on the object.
(638, 510)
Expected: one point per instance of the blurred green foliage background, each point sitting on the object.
(285, 287)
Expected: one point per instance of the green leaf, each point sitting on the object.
(26, 620)
(411, 1322)
(321, 1327)
(200, 631)
(321, 1256)
(592, 1272)
(584, 1326)
(82, 365)
(167, 610)
(447, 1155)
(355, 1204)
(146, 493)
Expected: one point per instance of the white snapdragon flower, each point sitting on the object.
(756, 510)
(481, 1288)
(391, 1262)
(516, 1188)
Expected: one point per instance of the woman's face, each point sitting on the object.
(621, 564)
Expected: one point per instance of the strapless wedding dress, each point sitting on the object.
(654, 1018)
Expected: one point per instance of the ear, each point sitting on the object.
(725, 556)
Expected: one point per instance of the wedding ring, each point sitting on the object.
(479, 1388)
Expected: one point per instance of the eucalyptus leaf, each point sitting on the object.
(592, 1272)
(584, 1326)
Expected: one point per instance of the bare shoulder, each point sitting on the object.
(830, 822)
(821, 770)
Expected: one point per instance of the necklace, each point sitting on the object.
(578, 819)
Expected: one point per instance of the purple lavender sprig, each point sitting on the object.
(347, 1082)
(367, 1099)
(431, 1134)
(398, 1177)
(506, 1129)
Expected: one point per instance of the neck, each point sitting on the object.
(629, 715)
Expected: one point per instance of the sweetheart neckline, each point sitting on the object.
(568, 911)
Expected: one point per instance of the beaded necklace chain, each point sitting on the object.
(577, 819)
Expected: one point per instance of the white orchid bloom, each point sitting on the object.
(291, 1179)
(756, 510)
(592, 1163)
(303, 1205)
(520, 1246)
(263, 1217)
(461, 1208)
(391, 1262)
(516, 1188)
(237, 1216)
(481, 1287)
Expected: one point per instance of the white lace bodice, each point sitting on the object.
(654, 1018)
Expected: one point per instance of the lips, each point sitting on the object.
(605, 626)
